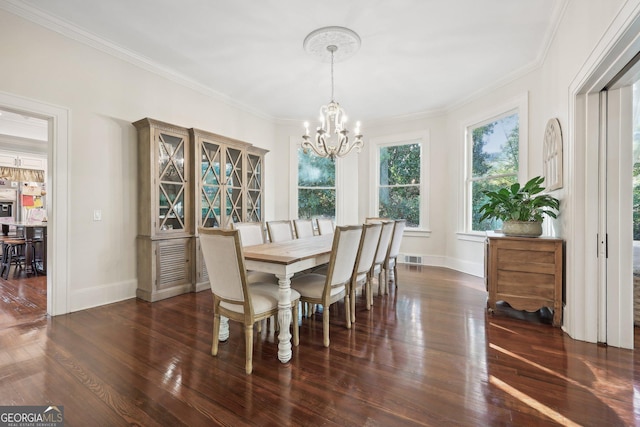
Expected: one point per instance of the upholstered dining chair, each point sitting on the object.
(279, 231)
(325, 226)
(381, 254)
(364, 262)
(252, 233)
(327, 289)
(233, 296)
(391, 260)
(303, 227)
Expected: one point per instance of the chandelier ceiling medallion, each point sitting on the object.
(331, 138)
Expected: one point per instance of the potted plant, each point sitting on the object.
(521, 209)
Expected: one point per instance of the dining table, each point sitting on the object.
(284, 259)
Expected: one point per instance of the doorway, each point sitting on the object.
(24, 140)
(58, 203)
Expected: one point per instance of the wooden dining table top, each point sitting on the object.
(290, 251)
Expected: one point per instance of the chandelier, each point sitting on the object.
(331, 139)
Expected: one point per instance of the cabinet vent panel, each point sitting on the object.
(173, 266)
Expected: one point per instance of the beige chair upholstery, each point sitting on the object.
(320, 289)
(364, 262)
(325, 226)
(252, 233)
(303, 227)
(381, 254)
(391, 261)
(280, 231)
(233, 296)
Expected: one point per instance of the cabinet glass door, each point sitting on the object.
(254, 188)
(210, 197)
(171, 150)
(233, 187)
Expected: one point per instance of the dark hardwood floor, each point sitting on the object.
(427, 354)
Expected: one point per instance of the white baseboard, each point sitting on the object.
(473, 268)
(102, 295)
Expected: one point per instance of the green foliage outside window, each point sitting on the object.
(316, 186)
(399, 186)
(494, 164)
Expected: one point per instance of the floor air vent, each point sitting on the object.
(413, 259)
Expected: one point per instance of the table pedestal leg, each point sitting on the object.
(224, 329)
(284, 317)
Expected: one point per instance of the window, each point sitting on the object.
(494, 148)
(400, 179)
(316, 186)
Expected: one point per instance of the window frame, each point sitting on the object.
(298, 187)
(420, 137)
(518, 105)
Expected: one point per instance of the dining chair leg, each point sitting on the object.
(347, 309)
(367, 292)
(216, 334)
(353, 303)
(248, 337)
(325, 326)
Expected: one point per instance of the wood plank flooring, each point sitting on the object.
(427, 354)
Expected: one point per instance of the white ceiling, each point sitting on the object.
(416, 56)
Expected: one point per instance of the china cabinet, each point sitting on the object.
(165, 223)
(189, 178)
(525, 272)
(228, 186)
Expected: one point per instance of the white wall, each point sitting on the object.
(104, 95)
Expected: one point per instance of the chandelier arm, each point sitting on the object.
(357, 144)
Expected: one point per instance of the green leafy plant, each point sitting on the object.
(516, 203)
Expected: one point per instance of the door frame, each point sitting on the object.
(58, 201)
(584, 288)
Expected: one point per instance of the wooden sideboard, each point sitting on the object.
(525, 272)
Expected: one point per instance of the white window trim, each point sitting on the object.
(294, 144)
(518, 104)
(421, 137)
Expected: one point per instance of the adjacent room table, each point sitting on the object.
(284, 259)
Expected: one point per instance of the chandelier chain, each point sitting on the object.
(332, 52)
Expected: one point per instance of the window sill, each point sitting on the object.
(479, 237)
(417, 232)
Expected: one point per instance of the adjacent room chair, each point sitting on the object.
(391, 261)
(381, 254)
(327, 289)
(303, 227)
(361, 272)
(233, 296)
(325, 226)
(279, 231)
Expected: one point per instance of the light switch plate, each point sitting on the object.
(97, 215)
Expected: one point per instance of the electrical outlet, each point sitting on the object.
(97, 215)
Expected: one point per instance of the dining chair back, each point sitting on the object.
(251, 233)
(371, 219)
(391, 261)
(233, 297)
(381, 253)
(327, 289)
(364, 262)
(303, 227)
(279, 231)
(325, 226)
